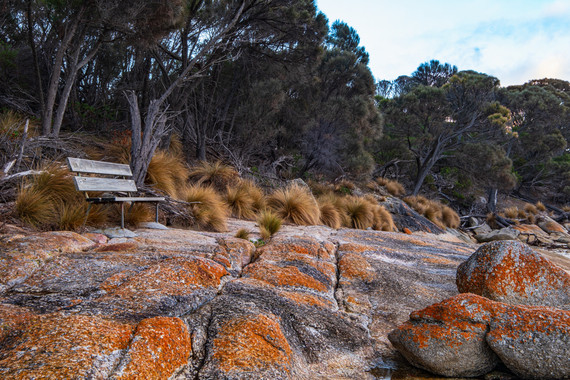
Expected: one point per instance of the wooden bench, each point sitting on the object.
(114, 189)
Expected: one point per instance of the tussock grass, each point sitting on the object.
(295, 204)
(70, 216)
(531, 218)
(330, 215)
(167, 173)
(530, 209)
(492, 220)
(269, 224)
(34, 206)
(216, 174)
(320, 188)
(211, 212)
(450, 218)
(383, 220)
(360, 213)
(245, 200)
(138, 213)
(566, 208)
(540, 206)
(256, 193)
(393, 187)
(243, 233)
(511, 212)
(438, 213)
(56, 181)
(522, 214)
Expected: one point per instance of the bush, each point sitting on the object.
(269, 224)
(211, 212)
(295, 204)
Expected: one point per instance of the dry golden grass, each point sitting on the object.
(438, 213)
(34, 206)
(217, 175)
(138, 213)
(531, 218)
(211, 212)
(245, 200)
(320, 188)
(540, 206)
(330, 215)
(98, 214)
(530, 209)
(295, 204)
(360, 213)
(511, 212)
(450, 218)
(13, 123)
(344, 187)
(56, 181)
(383, 220)
(522, 214)
(242, 233)
(71, 216)
(492, 221)
(393, 187)
(167, 172)
(175, 147)
(566, 208)
(269, 224)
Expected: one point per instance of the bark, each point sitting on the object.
(56, 74)
(35, 58)
(492, 200)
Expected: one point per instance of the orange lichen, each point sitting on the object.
(353, 266)
(13, 319)
(303, 246)
(55, 346)
(306, 299)
(356, 248)
(160, 346)
(252, 343)
(287, 276)
(439, 260)
(406, 230)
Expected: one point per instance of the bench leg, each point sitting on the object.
(86, 216)
(156, 213)
(123, 215)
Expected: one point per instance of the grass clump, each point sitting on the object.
(269, 224)
(245, 200)
(243, 233)
(211, 212)
(167, 172)
(34, 206)
(295, 204)
(438, 213)
(393, 187)
(217, 175)
(330, 215)
(344, 187)
(531, 209)
(540, 206)
(383, 220)
(511, 212)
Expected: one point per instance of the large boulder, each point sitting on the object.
(448, 338)
(467, 335)
(533, 342)
(511, 272)
(506, 233)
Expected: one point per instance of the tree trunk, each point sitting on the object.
(35, 58)
(56, 75)
(492, 200)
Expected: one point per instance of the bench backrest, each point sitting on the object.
(81, 166)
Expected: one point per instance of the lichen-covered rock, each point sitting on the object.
(448, 338)
(56, 346)
(513, 273)
(160, 347)
(467, 335)
(533, 342)
(22, 255)
(406, 217)
(506, 233)
(549, 225)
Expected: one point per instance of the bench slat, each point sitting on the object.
(80, 165)
(124, 199)
(104, 184)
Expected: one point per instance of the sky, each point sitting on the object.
(513, 40)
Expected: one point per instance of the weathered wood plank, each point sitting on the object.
(80, 165)
(124, 199)
(104, 184)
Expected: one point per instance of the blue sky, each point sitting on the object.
(516, 41)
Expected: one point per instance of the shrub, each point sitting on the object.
(211, 212)
(295, 204)
(269, 224)
(167, 172)
(531, 209)
(540, 206)
(393, 187)
(217, 175)
(242, 234)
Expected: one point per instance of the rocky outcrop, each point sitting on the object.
(406, 217)
(468, 334)
(513, 273)
(506, 233)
